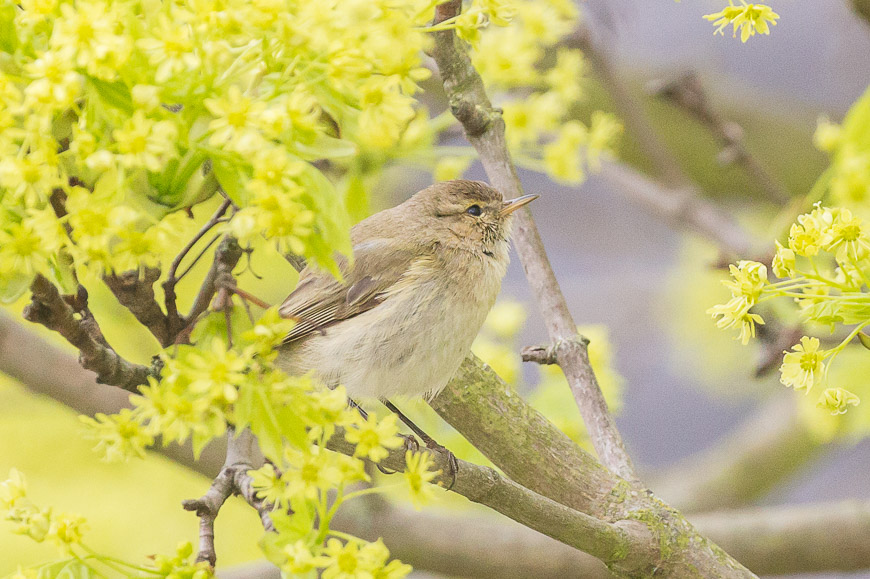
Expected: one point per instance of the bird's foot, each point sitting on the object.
(452, 462)
(410, 443)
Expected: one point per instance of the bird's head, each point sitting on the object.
(467, 215)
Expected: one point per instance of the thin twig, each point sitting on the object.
(227, 255)
(243, 455)
(484, 128)
(171, 279)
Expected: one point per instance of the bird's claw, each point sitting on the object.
(411, 443)
(452, 462)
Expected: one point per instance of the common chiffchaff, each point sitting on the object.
(424, 276)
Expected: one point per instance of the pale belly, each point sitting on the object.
(410, 345)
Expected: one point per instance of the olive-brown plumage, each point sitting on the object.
(424, 275)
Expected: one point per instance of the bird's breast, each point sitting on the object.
(413, 342)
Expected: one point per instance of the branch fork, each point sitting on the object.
(548, 354)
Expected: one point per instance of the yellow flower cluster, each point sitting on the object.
(121, 109)
(39, 524)
(540, 132)
(749, 19)
(848, 179)
(825, 269)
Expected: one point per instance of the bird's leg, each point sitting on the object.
(365, 416)
(354, 404)
(427, 440)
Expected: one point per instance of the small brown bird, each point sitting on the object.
(424, 276)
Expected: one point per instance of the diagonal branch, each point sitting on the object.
(226, 256)
(484, 128)
(626, 545)
(47, 307)
(687, 92)
(136, 293)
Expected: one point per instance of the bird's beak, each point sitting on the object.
(514, 204)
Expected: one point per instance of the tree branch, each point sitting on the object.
(484, 128)
(683, 209)
(529, 449)
(678, 200)
(687, 92)
(626, 545)
(226, 256)
(174, 318)
(136, 293)
(47, 307)
(243, 455)
(46, 369)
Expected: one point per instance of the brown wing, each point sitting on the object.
(320, 300)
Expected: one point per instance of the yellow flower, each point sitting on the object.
(87, 34)
(236, 119)
(269, 485)
(119, 436)
(373, 437)
(836, 400)
(55, 84)
(735, 314)
(13, 489)
(748, 18)
(506, 318)
(418, 476)
(783, 261)
(803, 368)
(171, 49)
(310, 472)
(343, 561)
(216, 373)
(300, 560)
(847, 236)
(749, 279)
(67, 528)
(562, 157)
(143, 142)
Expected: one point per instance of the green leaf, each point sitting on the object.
(114, 94)
(8, 34)
(14, 287)
(865, 339)
(231, 178)
(325, 147)
(254, 410)
(292, 426)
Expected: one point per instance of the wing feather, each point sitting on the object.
(320, 300)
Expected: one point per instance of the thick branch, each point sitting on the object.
(529, 449)
(795, 538)
(48, 370)
(136, 293)
(484, 128)
(49, 309)
(627, 545)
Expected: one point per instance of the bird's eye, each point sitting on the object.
(474, 210)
